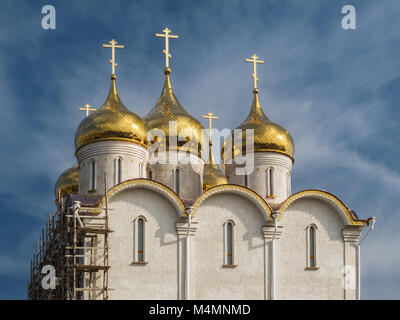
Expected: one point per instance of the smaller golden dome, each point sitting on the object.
(212, 174)
(113, 121)
(67, 182)
(169, 109)
(268, 136)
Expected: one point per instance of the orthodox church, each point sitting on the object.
(142, 215)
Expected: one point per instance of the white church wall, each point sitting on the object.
(294, 279)
(281, 166)
(210, 279)
(190, 167)
(105, 153)
(158, 278)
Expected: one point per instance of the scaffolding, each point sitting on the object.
(75, 243)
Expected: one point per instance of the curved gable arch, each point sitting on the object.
(147, 184)
(328, 198)
(236, 189)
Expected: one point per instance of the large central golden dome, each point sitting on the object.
(113, 121)
(169, 109)
(268, 136)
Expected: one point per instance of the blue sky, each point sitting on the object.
(337, 92)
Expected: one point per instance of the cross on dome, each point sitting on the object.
(254, 60)
(87, 107)
(167, 36)
(113, 44)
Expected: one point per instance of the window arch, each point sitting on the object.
(141, 170)
(139, 239)
(92, 175)
(177, 181)
(229, 240)
(118, 170)
(199, 184)
(311, 246)
(269, 180)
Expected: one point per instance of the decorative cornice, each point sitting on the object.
(269, 230)
(351, 235)
(232, 188)
(327, 197)
(182, 228)
(149, 184)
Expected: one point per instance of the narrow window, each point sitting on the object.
(199, 185)
(118, 170)
(269, 181)
(151, 175)
(246, 180)
(140, 240)
(312, 261)
(229, 243)
(141, 168)
(177, 182)
(92, 175)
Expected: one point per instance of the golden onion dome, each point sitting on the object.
(67, 182)
(268, 136)
(113, 121)
(188, 130)
(212, 174)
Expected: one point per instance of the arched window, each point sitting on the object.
(139, 239)
(118, 170)
(288, 183)
(246, 180)
(199, 185)
(141, 170)
(177, 180)
(229, 243)
(269, 179)
(92, 175)
(150, 175)
(312, 246)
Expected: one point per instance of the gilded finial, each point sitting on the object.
(167, 36)
(254, 60)
(113, 44)
(210, 116)
(87, 107)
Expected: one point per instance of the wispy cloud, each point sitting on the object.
(336, 91)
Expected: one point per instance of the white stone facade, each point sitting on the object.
(270, 178)
(104, 156)
(162, 273)
(163, 168)
(235, 251)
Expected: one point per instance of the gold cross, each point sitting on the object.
(113, 44)
(87, 107)
(210, 116)
(167, 35)
(254, 61)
